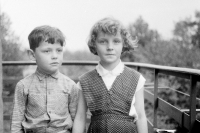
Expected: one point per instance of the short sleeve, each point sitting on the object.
(79, 85)
(140, 85)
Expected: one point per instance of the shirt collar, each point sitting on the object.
(41, 75)
(115, 72)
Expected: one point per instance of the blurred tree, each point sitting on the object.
(147, 37)
(11, 51)
(10, 43)
(187, 32)
(181, 51)
(140, 28)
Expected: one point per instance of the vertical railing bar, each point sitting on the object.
(138, 68)
(155, 97)
(193, 91)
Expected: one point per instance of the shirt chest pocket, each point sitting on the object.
(59, 101)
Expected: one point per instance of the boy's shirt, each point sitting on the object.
(44, 101)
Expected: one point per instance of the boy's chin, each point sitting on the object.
(52, 71)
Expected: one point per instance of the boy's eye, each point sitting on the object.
(47, 51)
(59, 50)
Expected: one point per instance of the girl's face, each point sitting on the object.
(109, 49)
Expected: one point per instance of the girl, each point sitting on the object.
(112, 92)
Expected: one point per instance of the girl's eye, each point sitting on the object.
(117, 41)
(102, 41)
(59, 50)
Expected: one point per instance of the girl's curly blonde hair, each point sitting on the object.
(111, 26)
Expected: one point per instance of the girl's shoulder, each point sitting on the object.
(88, 74)
(131, 71)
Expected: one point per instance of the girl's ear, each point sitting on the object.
(31, 54)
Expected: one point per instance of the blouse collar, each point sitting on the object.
(115, 72)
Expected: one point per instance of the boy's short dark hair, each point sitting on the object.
(45, 33)
(111, 26)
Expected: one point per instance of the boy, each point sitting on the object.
(46, 101)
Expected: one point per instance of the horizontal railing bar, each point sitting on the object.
(179, 115)
(149, 96)
(187, 110)
(166, 68)
(176, 71)
(165, 87)
(10, 63)
(170, 110)
(166, 107)
(150, 127)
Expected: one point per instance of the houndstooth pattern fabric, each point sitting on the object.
(110, 108)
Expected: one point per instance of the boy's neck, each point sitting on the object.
(46, 73)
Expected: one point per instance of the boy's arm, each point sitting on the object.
(18, 109)
(139, 106)
(73, 101)
(80, 118)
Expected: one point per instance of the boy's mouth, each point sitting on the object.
(54, 63)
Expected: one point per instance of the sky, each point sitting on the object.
(76, 17)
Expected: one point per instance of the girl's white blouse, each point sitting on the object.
(109, 77)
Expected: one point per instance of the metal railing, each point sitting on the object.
(185, 118)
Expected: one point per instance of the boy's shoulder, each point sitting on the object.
(27, 79)
(66, 79)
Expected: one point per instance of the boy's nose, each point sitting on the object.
(54, 55)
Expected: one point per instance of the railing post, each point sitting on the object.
(138, 68)
(193, 91)
(155, 98)
(1, 86)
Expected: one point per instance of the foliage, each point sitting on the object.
(188, 31)
(140, 28)
(10, 52)
(181, 51)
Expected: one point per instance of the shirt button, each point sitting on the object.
(49, 92)
(49, 112)
(110, 92)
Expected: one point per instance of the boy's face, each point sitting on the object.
(49, 57)
(109, 48)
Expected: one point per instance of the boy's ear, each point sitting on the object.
(31, 54)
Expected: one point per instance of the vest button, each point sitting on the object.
(108, 101)
(110, 92)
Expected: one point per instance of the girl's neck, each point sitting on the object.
(109, 66)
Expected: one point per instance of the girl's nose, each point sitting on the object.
(110, 46)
